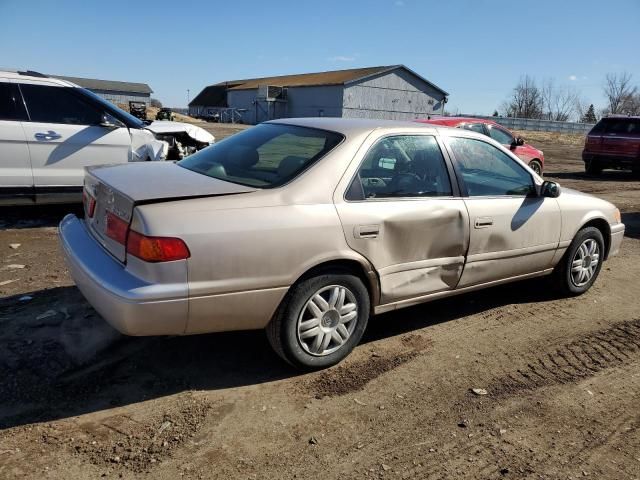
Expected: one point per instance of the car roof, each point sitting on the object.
(452, 121)
(34, 77)
(351, 126)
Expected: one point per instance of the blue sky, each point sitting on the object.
(476, 50)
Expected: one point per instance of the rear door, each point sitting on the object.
(513, 231)
(403, 213)
(16, 179)
(64, 136)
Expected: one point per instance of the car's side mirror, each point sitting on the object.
(517, 142)
(107, 121)
(550, 189)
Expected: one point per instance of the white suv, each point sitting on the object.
(51, 129)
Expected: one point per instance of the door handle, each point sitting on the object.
(367, 231)
(50, 135)
(483, 222)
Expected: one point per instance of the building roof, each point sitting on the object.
(334, 77)
(95, 84)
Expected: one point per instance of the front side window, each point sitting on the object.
(402, 166)
(487, 171)
(474, 127)
(500, 135)
(264, 156)
(11, 106)
(49, 104)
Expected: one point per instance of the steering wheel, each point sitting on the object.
(405, 182)
(373, 182)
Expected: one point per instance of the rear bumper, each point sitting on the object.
(612, 161)
(617, 234)
(131, 305)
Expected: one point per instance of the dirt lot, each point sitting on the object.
(77, 400)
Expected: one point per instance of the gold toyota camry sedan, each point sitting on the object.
(306, 227)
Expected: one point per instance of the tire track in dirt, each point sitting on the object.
(352, 377)
(575, 361)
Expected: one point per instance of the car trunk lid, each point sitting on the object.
(112, 192)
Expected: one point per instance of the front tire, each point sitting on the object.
(536, 166)
(581, 263)
(320, 321)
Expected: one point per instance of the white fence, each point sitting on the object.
(539, 125)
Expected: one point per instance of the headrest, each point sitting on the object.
(290, 164)
(242, 156)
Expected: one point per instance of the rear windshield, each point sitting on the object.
(264, 156)
(628, 126)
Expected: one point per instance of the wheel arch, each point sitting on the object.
(360, 268)
(602, 225)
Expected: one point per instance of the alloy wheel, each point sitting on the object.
(585, 262)
(327, 320)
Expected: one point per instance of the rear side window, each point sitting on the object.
(598, 128)
(11, 106)
(267, 155)
(58, 105)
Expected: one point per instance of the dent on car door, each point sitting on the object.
(16, 179)
(65, 135)
(513, 230)
(401, 213)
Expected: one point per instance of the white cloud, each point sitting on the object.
(341, 58)
(573, 78)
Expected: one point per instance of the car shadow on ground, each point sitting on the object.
(36, 216)
(631, 222)
(71, 362)
(605, 176)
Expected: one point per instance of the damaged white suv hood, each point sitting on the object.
(197, 133)
(145, 146)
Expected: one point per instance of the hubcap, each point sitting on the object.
(585, 262)
(327, 320)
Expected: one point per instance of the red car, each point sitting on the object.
(528, 154)
(614, 142)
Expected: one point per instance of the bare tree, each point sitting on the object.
(619, 91)
(525, 100)
(558, 103)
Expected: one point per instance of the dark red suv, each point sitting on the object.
(614, 142)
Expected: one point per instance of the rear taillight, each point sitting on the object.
(117, 228)
(156, 249)
(89, 203)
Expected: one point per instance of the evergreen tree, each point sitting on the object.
(590, 115)
(495, 113)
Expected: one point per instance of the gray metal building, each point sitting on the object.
(114, 91)
(387, 92)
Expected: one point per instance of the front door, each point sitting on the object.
(513, 231)
(16, 180)
(402, 214)
(64, 136)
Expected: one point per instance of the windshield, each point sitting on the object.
(265, 156)
(126, 117)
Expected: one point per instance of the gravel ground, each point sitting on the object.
(562, 379)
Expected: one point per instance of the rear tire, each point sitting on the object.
(320, 320)
(581, 263)
(536, 166)
(592, 167)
